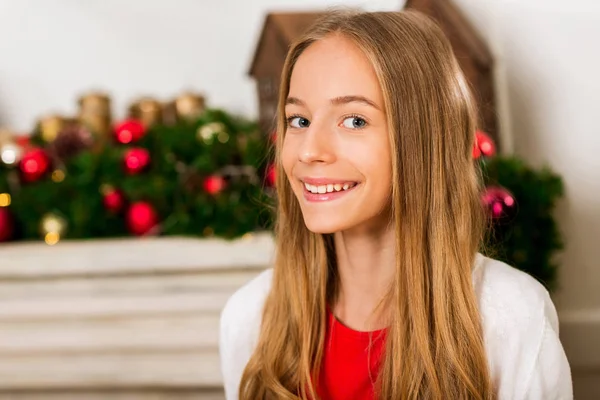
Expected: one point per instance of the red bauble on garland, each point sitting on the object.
(34, 164)
(484, 145)
(271, 175)
(23, 141)
(499, 202)
(142, 219)
(129, 131)
(6, 224)
(113, 200)
(136, 160)
(214, 184)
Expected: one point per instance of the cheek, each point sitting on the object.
(376, 165)
(374, 160)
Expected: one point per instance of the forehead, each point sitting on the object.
(333, 67)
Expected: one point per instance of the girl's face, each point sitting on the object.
(336, 151)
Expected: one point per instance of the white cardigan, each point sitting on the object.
(520, 329)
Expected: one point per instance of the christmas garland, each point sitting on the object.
(204, 175)
(182, 169)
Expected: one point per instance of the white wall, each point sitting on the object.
(548, 81)
(548, 64)
(53, 50)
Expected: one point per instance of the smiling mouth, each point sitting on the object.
(327, 192)
(329, 188)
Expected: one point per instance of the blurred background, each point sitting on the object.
(134, 175)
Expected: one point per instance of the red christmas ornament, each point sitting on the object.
(34, 164)
(476, 152)
(274, 137)
(499, 202)
(214, 184)
(142, 219)
(271, 175)
(6, 224)
(136, 160)
(113, 201)
(23, 141)
(484, 145)
(129, 131)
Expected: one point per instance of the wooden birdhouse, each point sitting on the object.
(278, 33)
(472, 53)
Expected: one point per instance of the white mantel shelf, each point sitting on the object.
(119, 314)
(133, 255)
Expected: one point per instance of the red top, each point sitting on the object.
(348, 371)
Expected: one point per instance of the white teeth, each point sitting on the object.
(311, 188)
(329, 188)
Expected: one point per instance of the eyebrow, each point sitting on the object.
(336, 101)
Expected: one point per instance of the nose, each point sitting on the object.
(317, 145)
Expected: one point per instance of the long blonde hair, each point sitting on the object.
(434, 346)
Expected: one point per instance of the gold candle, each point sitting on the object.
(94, 113)
(146, 110)
(50, 126)
(189, 106)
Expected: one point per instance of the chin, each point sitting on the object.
(325, 225)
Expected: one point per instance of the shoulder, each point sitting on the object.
(506, 292)
(239, 329)
(247, 302)
(520, 328)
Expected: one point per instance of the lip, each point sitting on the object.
(324, 181)
(322, 197)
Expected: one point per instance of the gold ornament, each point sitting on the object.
(146, 110)
(223, 137)
(52, 228)
(189, 106)
(58, 176)
(207, 132)
(50, 126)
(5, 199)
(52, 238)
(94, 113)
(248, 236)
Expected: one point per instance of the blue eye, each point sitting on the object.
(354, 122)
(298, 122)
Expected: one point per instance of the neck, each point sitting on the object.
(366, 264)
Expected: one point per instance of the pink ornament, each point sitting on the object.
(214, 184)
(34, 164)
(142, 219)
(498, 201)
(484, 145)
(136, 160)
(271, 175)
(114, 201)
(129, 131)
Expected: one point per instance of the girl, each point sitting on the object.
(378, 289)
